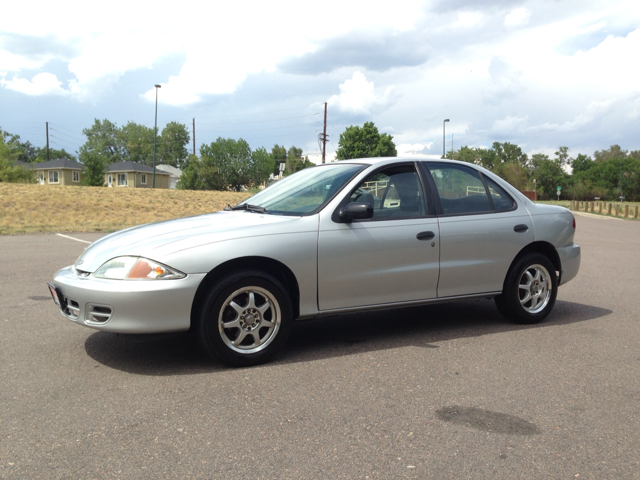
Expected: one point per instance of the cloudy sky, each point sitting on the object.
(539, 73)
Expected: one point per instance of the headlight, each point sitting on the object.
(136, 268)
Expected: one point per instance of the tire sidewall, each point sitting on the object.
(208, 329)
(509, 303)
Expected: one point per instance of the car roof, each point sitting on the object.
(383, 160)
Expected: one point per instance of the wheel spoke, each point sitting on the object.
(252, 301)
(527, 297)
(232, 324)
(266, 323)
(236, 307)
(263, 308)
(240, 338)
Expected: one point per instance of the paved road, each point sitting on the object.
(449, 391)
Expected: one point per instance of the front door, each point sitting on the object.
(390, 258)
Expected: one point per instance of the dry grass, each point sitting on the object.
(40, 208)
(586, 207)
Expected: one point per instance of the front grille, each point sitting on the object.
(73, 308)
(98, 314)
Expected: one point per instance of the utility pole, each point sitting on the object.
(47, 141)
(322, 137)
(194, 136)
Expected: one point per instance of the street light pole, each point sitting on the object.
(155, 135)
(443, 135)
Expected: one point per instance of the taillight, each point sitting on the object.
(574, 223)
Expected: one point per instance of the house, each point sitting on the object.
(59, 171)
(136, 175)
(174, 173)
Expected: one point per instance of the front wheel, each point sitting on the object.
(245, 319)
(530, 290)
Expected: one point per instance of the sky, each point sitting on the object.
(540, 73)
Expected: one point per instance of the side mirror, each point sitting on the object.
(356, 211)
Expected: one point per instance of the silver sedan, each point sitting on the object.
(342, 237)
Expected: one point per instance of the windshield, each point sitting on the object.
(306, 191)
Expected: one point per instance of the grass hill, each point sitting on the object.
(37, 208)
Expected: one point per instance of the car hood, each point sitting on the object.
(158, 240)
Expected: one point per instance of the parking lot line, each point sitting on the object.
(72, 238)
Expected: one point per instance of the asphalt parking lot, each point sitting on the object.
(445, 391)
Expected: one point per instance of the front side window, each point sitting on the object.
(122, 179)
(394, 192)
(460, 188)
(54, 176)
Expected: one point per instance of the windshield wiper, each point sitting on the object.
(247, 207)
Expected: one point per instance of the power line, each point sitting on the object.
(261, 129)
(254, 113)
(257, 121)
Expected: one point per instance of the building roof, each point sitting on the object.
(19, 163)
(175, 172)
(130, 166)
(58, 163)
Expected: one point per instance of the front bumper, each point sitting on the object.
(570, 262)
(128, 306)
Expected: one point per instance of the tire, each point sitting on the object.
(530, 290)
(245, 319)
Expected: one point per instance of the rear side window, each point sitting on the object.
(461, 189)
(500, 199)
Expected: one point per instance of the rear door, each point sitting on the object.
(482, 229)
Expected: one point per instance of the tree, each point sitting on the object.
(356, 142)
(20, 151)
(95, 167)
(279, 155)
(9, 172)
(548, 174)
(172, 144)
(295, 161)
(227, 164)
(508, 152)
(138, 143)
(53, 154)
(105, 139)
(613, 153)
(563, 156)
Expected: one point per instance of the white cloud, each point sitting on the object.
(357, 96)
(467, 19)
(40, 84)
(414, 149)
(518, 16)
(10, 62)
(509, 124)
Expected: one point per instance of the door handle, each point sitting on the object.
(521, 228)
(425, 235)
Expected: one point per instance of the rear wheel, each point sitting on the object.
(245, 319)
(530, 290)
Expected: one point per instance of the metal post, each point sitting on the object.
(155, 135)
(324, 134)
(443, 135)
